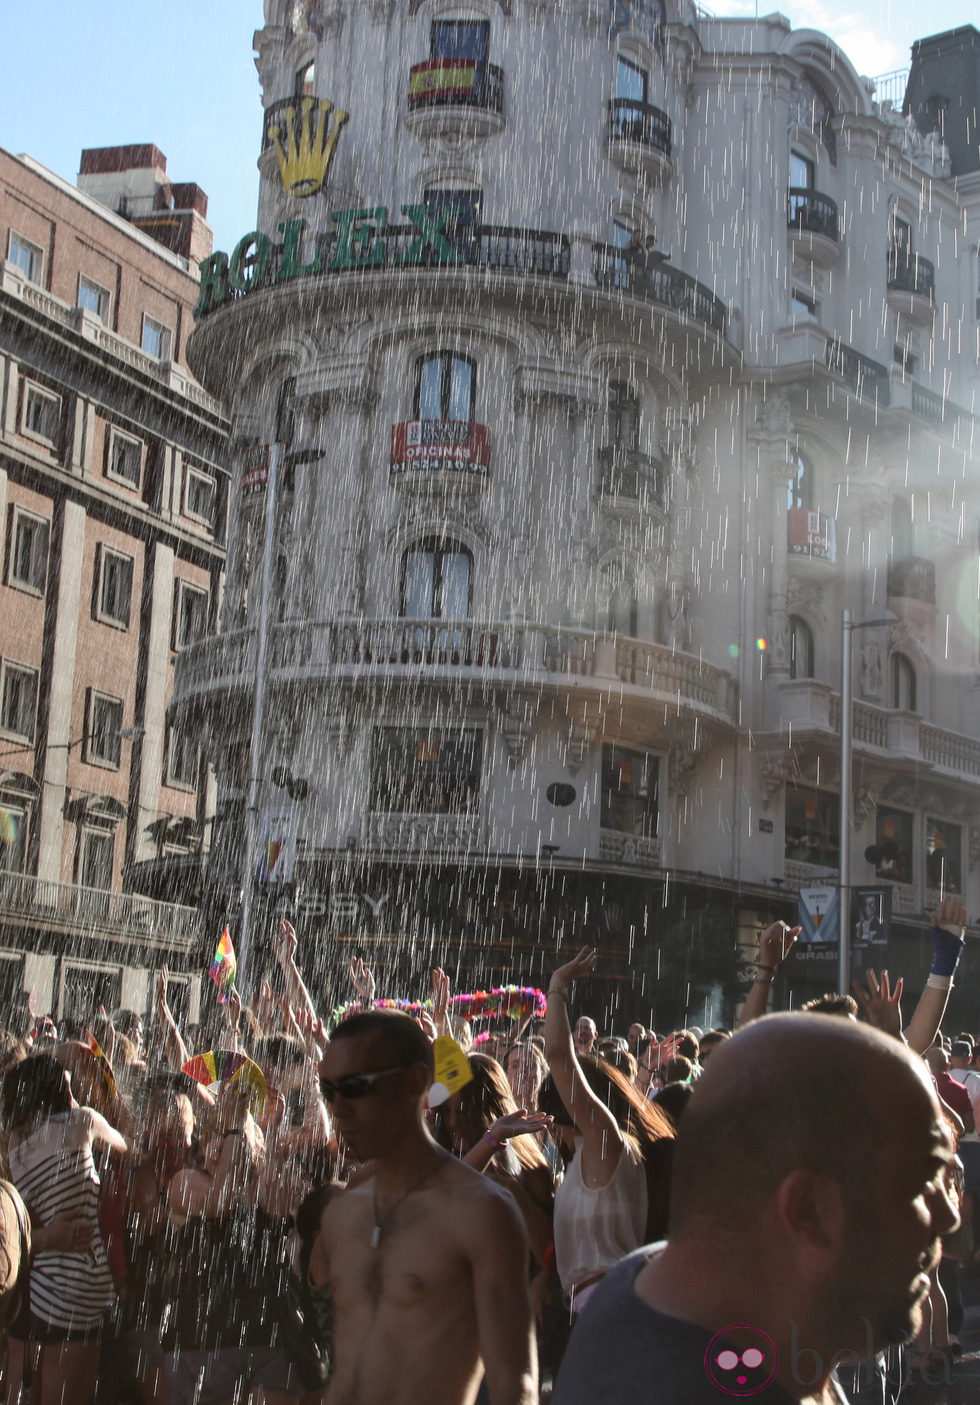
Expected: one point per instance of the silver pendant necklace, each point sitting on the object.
(380, 1221)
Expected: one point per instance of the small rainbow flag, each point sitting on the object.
(224, 966)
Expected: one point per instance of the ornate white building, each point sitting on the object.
(618, 350)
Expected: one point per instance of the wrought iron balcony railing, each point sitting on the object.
(633, 121)
(627, 473)
(868, 379)
(909, 273)
(129, 916)
(616, 268)
(808, 212)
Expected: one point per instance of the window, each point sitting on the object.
(156, 339)
(92, 297)
(801, 660)
(103, 736)
(892, 850)
(460, 39)
(125, 459)
(944, 848)
(903, 684)
(812, 827)
(629, 791)
(96, 857)
(622, 416)
(114, 588)
(445, 387)
(182, 756)
(420, 771)
(190, 614)
(13, 838)
(436, 581)
(803, 304)
(18, 700)
(305, 81)
(802, 172)
(27, 567)
(799, 483)
(631, 81)
(41, 416)
(200, 497)
(26, 256)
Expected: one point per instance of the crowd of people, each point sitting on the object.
(719, 1211)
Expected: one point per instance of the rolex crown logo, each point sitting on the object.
(305, 159)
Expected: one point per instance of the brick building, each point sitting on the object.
(113, 502)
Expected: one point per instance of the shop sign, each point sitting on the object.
(423, 446)
(812, 534)
(358, 242)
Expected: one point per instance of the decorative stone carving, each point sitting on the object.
(871, 671)
(774, 415)
(776, 769)
(580, 742)
(675, 623)
(778, 642)
(516, 725)
(807, 597)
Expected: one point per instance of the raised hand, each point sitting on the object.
(776, 943)
(284, 943)
(581, 965)
(440, 999)
(518, 1124)
(362, 979)
(880, 1003)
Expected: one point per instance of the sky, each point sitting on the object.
(181, 74)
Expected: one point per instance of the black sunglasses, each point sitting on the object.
(357, 1085)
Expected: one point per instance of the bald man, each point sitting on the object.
(808, 1202)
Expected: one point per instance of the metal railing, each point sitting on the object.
(910, 273)
(627, 473)
(615, 269)
(640, 122)
(867, 378)
(809, 212)
(96, 910)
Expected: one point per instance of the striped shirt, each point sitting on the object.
(54, 1171)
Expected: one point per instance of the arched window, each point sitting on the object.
(801, 660)
(445, 387)
(799, 483)
(622, 417)
(903, 682)
(437, 580)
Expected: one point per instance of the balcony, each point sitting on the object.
(439, 453)
(811, 541)
(911, 283)
(594, 672)
(463, 97)
(636, 276)
(913, 578)
(814, 227)
(631, 479)
(867, 379)
(640, 139)
(96, 913)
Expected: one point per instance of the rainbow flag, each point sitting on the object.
(224, 966)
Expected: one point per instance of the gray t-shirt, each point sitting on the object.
(623, 1352)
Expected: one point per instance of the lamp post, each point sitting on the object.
(258, 709)
(847, 627)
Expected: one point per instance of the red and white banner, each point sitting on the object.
(422, 446)
(812, 534)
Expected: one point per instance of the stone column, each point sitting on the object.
(770, 437)
(68, 557)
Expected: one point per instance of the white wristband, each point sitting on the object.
(939, 982)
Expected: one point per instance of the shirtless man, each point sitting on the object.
(426, 1259)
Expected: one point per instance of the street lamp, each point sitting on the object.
(847, 628)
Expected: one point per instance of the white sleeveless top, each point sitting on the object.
(594, 1229)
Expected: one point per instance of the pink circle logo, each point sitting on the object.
(741, 1360)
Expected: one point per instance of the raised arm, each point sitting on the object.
(947, 947)
(285, 949)
(602, 1141)
(173, 1045)
(775, 944)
